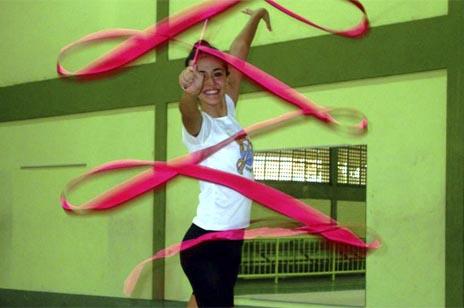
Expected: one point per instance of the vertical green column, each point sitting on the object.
(333, 182)
(159, 210)
(160, 150)
(454, 271)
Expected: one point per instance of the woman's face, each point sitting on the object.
(214, 82)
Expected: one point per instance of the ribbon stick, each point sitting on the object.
(203, 31)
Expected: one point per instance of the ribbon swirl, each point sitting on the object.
(160, 173)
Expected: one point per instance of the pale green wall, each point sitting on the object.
(331, 13)
(406, 179)
(181, 202)
(33, 32)
(43, 248)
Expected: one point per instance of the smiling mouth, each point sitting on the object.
(211, 92)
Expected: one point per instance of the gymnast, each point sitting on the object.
(207, 106)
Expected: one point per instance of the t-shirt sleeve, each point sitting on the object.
(230, 106)
(194, 143)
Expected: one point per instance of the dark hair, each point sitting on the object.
(194, 50)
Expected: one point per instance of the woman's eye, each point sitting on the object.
(218, 74)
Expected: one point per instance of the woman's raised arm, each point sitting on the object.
(241, 46)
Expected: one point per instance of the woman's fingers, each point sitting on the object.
(191, 81)
(187, 76)
(267, 20)
(264, 15)
(185, 80)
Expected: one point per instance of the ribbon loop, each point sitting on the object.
(154, 36)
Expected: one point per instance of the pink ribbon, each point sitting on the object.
(313, 221)
(159, 173)
(141, 42)
(132, 278)
(354, 32)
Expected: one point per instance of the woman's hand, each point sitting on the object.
(262, 13)
(191, 81)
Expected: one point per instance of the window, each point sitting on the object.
(296, 165)
(352, 165)
(312, 165)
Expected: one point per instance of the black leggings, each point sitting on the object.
(212, 268)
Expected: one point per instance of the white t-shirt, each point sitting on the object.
(221, 208)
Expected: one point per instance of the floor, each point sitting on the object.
(348, 298)
(288, 292)
(347, 291)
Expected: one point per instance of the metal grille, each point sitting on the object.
(298, 165)
(352, 165)
(298, 256)
(258, 258)
(349, 259)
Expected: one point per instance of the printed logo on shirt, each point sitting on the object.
(246, 156)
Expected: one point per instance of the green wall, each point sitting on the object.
(33, 32)
(42, 247)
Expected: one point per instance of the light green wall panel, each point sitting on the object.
(334, 14)
(42, 247)
(33, 32)
(181, 202)
(406, 178)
